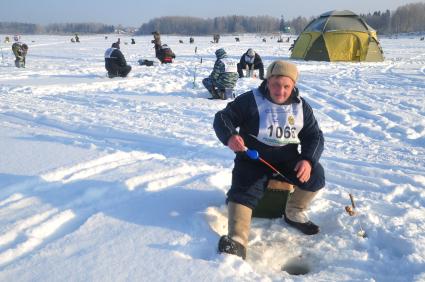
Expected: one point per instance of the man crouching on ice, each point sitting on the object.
(274, 120)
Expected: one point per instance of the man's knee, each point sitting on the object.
(125, 71)
(316, 181)
(248, 186)
(207, 83)
(243, 199)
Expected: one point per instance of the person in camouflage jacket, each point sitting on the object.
(20, 51)
(224, 75)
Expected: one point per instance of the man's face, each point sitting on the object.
(280, 88)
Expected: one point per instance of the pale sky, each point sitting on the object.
(136, 12)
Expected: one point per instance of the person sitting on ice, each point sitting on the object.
(165, 54)
(223, 77)
(115, 62)
(250, 61)
(20, 51)
(279, 124)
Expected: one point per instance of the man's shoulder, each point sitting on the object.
(305, 105)
(245, 97)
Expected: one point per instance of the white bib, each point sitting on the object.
(229, 65)
(249, 60)
(108, 52)
(279, 124)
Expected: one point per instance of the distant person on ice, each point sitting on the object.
(20, 51)
(162, 52)
(165, 54)
(115, 62)
(276, 121)
(157, 42)
(223, 77)
(250, 61)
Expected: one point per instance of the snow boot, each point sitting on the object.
(215, 94)
(229, 246)
(239, 222)
(112, 75)
(295, 212)
(226, 93)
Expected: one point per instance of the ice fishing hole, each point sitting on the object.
(296, 266)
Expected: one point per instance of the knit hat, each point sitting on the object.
(284, 69)
(220, 53)
(250, 52)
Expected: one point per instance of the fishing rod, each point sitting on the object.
(194, 73)
(254, 155)
(352, 212)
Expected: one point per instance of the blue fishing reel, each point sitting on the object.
(252, 154)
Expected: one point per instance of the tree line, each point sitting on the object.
(406, 18)
(56, 28)
(200, 26)
(228, 24)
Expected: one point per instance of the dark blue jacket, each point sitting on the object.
(242, 113)
(257, 61)
(114, 60)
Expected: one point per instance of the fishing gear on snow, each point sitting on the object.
(352, 212)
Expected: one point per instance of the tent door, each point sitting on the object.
(318, 51)
(374, 52)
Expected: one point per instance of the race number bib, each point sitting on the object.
(279, 124)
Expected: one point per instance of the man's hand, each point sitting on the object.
(236, 143)
(303, 169)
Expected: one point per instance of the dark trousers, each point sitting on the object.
(157, 50)
(250, 178)
(242, 66)
(20, 62)
(121, 72)
(209, 85)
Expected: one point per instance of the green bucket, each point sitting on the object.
(272, 205)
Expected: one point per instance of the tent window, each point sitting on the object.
(317, 25)
(345, 23)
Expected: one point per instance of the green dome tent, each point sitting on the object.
(338, 36)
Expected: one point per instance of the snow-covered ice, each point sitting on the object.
(124, 180)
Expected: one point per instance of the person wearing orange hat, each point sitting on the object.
(276, 121)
